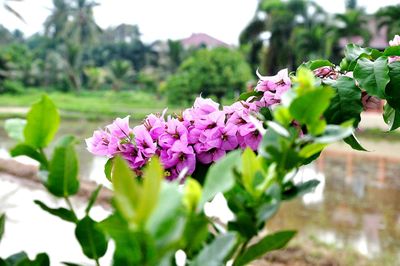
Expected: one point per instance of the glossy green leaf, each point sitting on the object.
(63, 180)
(152, 177)
(108, 168)
(392, 51)
(215, 254)
(246, 95)
(391, 117)
(127, 192)
(93, 198)
(354, 143)
(62, 213)
(311, 149)
(308, 111)
(312, 65)
(43, 121)
(267, 244)
(373, 76)
(92, 240)
(220, 177)
(292, 191)
(393, 88)
(346, 104)
(22, 259)
(15, 128)
(25, 149)
(334, 133)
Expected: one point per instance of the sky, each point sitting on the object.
(167, 19)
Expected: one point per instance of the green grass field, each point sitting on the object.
(93, 105)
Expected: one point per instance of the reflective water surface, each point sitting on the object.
(356, 205)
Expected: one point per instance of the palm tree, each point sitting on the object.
(56, 23)
(353, 23)
(83, 26)
(389, 17)
(279, 23)
(120, 71)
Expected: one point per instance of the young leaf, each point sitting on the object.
(62, 213)
(43, 121)
(92, 199)
(25, 149)
(127, 192)
(108, 168)
(152, 177)
(267, 244)
(15, 128)
(346, 104)
(307, 110)
(63, 180)
(220, 177)
(192, 194)
(92, 240)
(250, 166)
(373, 76)
(215, 254)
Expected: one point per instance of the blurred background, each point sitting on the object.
(102, 59)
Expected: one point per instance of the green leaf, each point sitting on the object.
(63, 171)
(373, 76)
(392, 90)
(15, 128)
(246, 95)
(292, 191)
(93, 198)
(92, 240)
(307, 110)
(43, 121)
(215, 254)
(391, 117)
(2, 225)
(250, 166)
(166, 223)
(266, 211)
(152, 177)
(312, 65)
(108, 168)
(22, 259)
(267, 244)
(311, 149)
(126, 190)
(354, 143)
(334, 133)
(25, 149)
(392, 51)
(346, 104)
(192, 194)
(220, 177)
(62, 213)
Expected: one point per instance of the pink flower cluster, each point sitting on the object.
(394, 42)
(201, 134)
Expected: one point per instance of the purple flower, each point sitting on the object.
(252, 140)
(98, 143)
(178, 158)
(155, 125)
(209, 156)
(274, 86)
(174, 130)
(120, 128)
(144, 142)
(203, 106)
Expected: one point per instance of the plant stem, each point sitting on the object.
(97, 262)
(71, 208)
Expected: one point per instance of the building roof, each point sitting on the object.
(199, 39)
